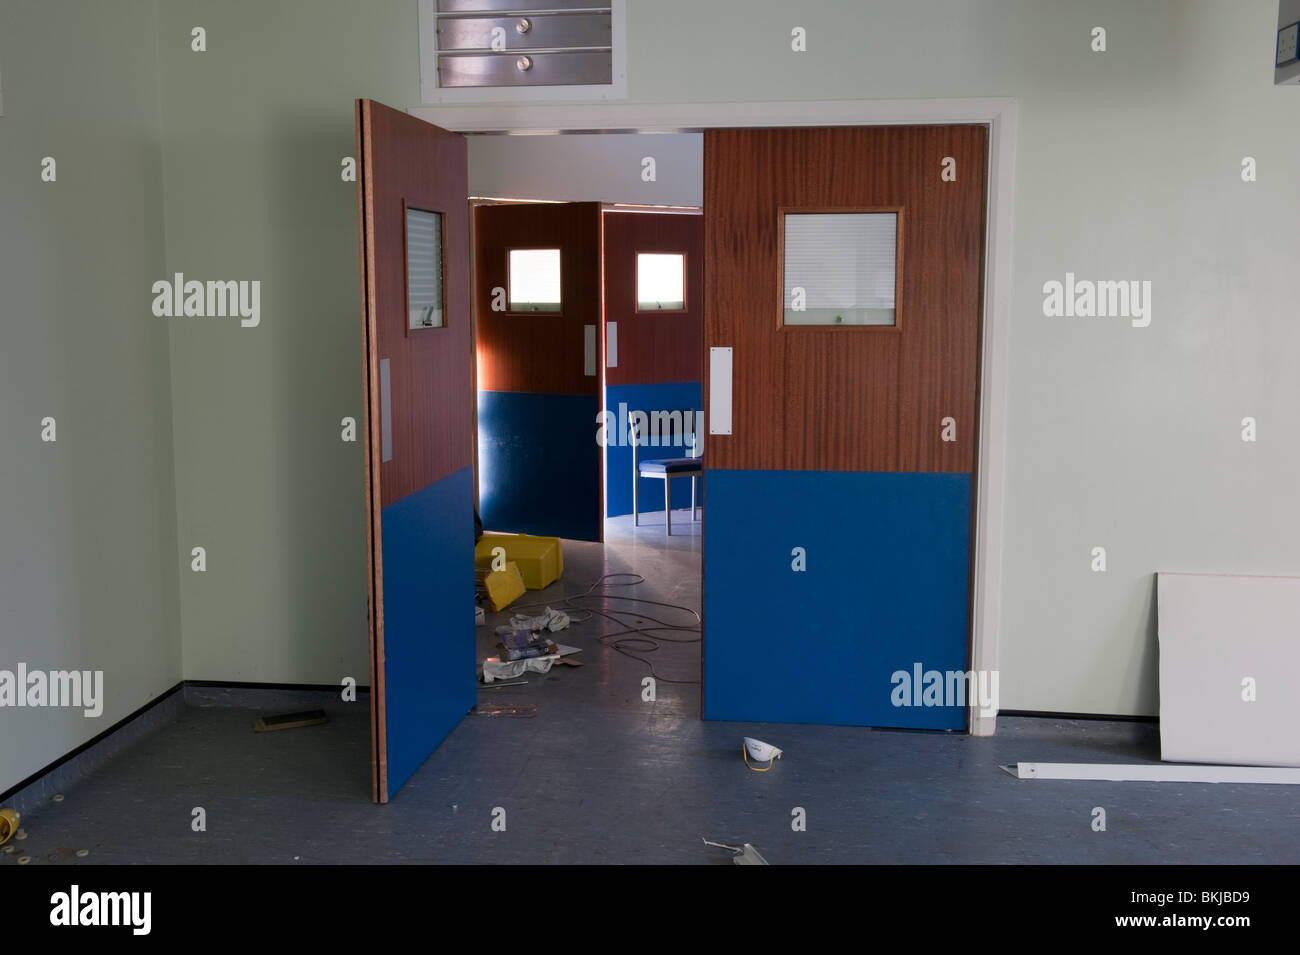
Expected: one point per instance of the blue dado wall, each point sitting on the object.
(674, 396)
(886, 588)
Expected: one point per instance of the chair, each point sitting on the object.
(665, 469)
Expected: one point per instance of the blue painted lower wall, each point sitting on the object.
(539, 464)
(886, 589)
(429, 653)
(673, 396)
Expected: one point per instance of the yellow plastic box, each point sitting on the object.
(540, 559)
(504, 586)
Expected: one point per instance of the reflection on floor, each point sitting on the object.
(599, 775)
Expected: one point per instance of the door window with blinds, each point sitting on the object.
(841, 268)
(424, 279)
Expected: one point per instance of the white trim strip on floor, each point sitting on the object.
(1157, 773)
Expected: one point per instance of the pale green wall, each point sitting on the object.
(1127, 167)
(87, 523)
(255, 131)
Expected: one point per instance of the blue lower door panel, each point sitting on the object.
(429, 675)
(539, 464)
(881, 607)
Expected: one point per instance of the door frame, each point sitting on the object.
(999, 115)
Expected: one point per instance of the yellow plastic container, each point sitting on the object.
(540, 559)
(504, 587)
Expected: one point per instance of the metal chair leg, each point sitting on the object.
(668, 503)
(692, 497)
(636, 517)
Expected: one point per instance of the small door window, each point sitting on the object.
(424, 302)
(841, 268)
(660, 282)
(534, 280)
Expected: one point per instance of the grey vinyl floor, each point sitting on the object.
(596, 774)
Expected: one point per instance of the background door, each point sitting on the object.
(539, 370)
(419, 484)
(838, 533)
(653, 360)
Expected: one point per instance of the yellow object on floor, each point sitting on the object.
(540, 559)
(504, 586)
(9, 820)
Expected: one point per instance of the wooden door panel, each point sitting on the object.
(789, 418)
(539, 390)
(538, 353)
(654, 347)
(419, 486)
(836, 456)
(659, 353)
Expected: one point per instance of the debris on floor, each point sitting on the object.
(760, 752)
(524, 645)
(526, 649)
(744, 855)
(506, 709)
(1156, 773)
(749, 856)
(288, 721)
(496, 669)
(521, 650)
(551, 620)
(721, 845)
(9, 819)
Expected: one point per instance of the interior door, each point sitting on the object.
(539, 368)
(842, 446)
(653, 348)
(419, 418)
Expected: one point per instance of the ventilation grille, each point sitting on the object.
(523, 43)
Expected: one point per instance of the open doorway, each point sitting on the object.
(842, 447)
(581, 335)
(589, 328)
(654, 289)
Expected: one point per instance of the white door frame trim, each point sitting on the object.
(1000, 116)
